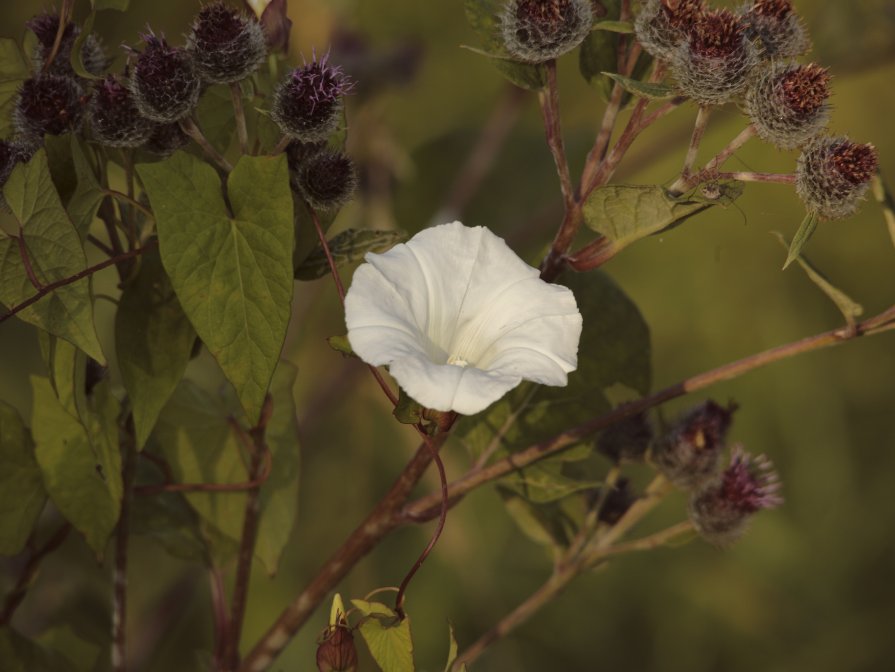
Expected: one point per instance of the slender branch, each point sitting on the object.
(220, 614)
(610, 116)
(239, 114)
(340, 288)
(427, 507)
(702, 120)
(557, 582)
(256, 482)
(378, 523)
(281, 146)
(100, 245)
(442, 519)
(647, 543)
(778, 178)
(65, 14)
(255, 439)
(130, 200)
(549, 101)
(481, 159)
(685, 183)
(53, 286)
(192, 129)
(29, 571)
(564, 572)
(122, 535)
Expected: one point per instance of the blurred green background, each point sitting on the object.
(812, 587)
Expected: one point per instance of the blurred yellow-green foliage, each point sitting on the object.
(812, 587)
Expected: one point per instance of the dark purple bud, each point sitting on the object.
(721, 511)
(327, 180)
(226, 45)
(626, 441)
(307, 105)
(45, 27)
(164, 83)
(689, 454)
(49, 104)
(114, 117)
(297, 153)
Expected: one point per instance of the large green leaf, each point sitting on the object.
(19, 654)
(388, 638)
(614, 349)
(67, 369)
(232, 274)
(169, 520)
(22, 493)
(153, 340)
(80, 461)
(13, 71)
(55, 252)
(88, 194)
(627, 213)
(195, 436)
(345, 248)
(483, 16)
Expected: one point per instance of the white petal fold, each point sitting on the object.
(460, 320)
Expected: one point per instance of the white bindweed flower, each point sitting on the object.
(460, 320)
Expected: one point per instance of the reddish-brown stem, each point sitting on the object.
(340, 288)
(378, 523)
(610, 115)
(100, 245)
(220, 614)
(240, 117)
(26, 261)
(256, 442)
(29, 571)
(428, 507)
(281, 146)
(775, 178)
(442, 519)
(53, 286)
(549, 102)
(65, 14)
(122, 535)
(684, 183)
(702, 119)
(252, 484)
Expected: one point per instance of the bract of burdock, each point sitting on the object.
(460, 320)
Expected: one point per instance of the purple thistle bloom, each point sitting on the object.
(308, 104)
(721, 511)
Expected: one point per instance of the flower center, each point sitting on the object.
(456, 360)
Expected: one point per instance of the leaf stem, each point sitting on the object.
(29, 571)
(255, 438)
(686, 183)
(240, 116)
(122, 535)
(192, 129)
(53, 286)
(702, 120)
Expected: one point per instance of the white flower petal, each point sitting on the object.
(444, 387)
(460, 319)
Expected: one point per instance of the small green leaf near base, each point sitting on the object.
(803, 235)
